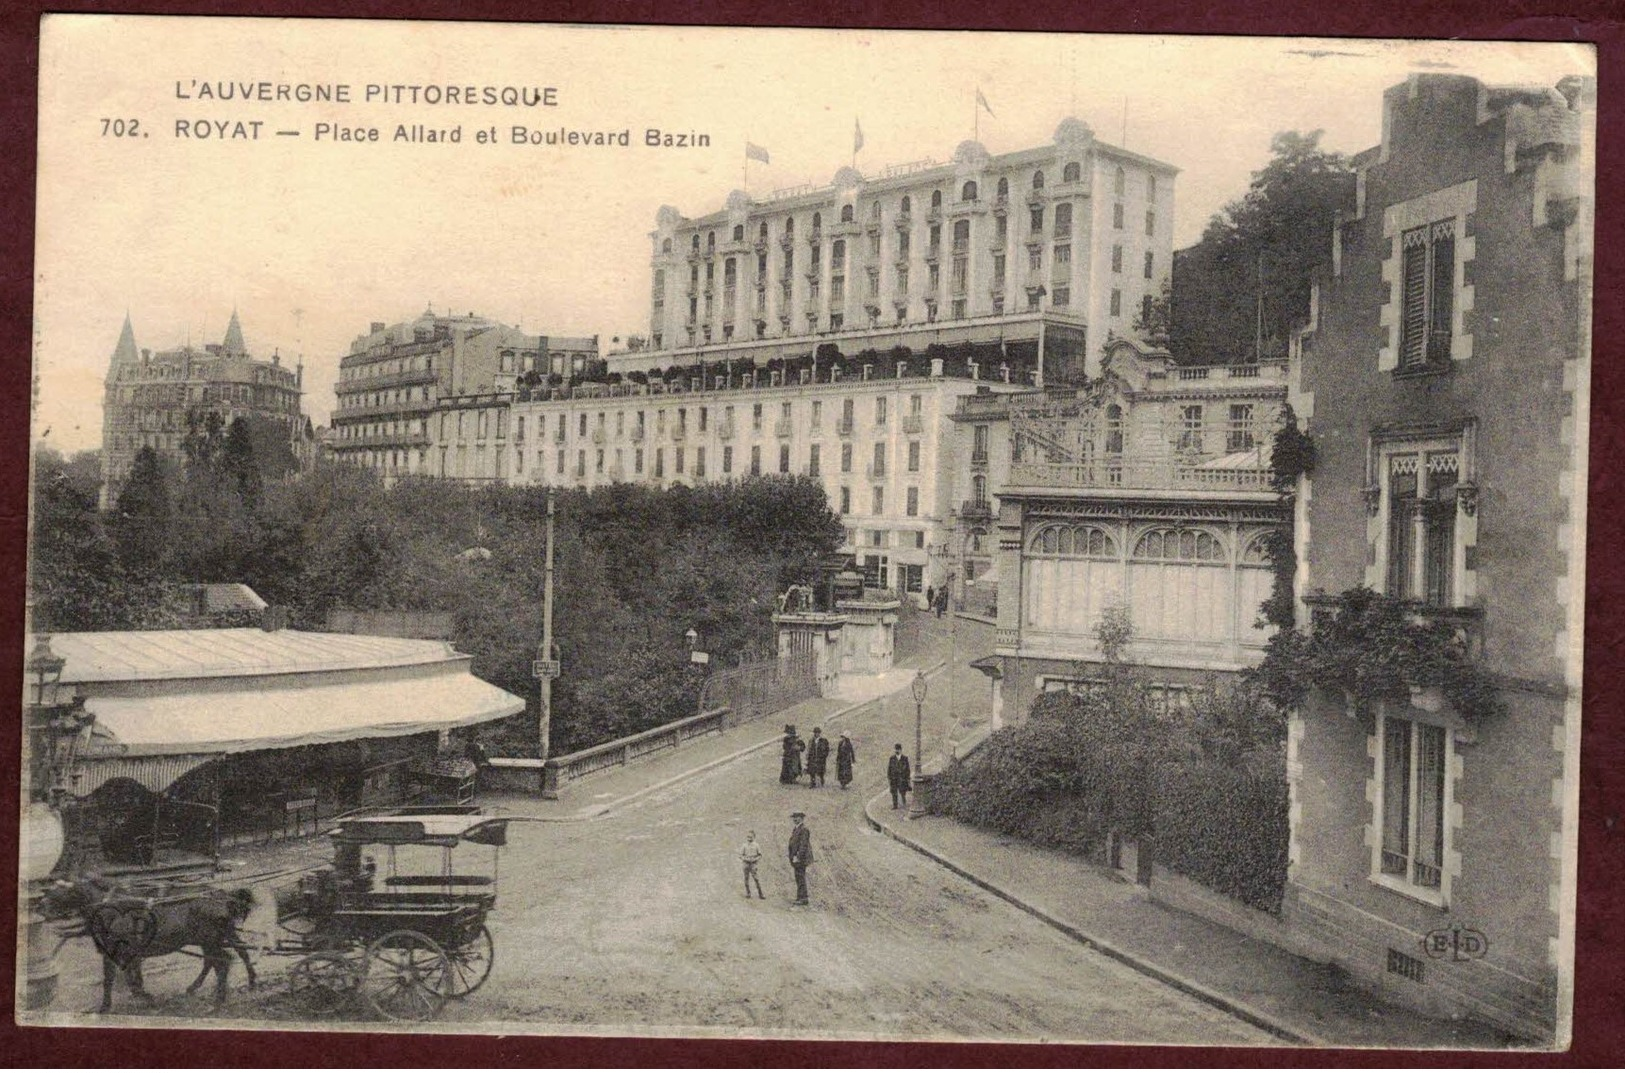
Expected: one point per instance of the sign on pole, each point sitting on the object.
(544, 668)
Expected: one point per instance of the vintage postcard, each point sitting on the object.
(845, 535)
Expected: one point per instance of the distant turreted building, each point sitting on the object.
(155, 399)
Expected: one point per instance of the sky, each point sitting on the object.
(311, 240)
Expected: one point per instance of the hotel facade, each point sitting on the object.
(835, 331)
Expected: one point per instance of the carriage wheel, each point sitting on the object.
(406, 976)
(324, 981)
(471, 963)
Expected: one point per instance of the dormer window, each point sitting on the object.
(968, 192)
(846, 214)
(1038, 180)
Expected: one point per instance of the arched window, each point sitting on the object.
(968, 192)
(665, 246)
(846, 214)
(1114, 429)
(906, 203)
(874, 210)
(739, 232)
(978, 486)
(1078, 541)
(1004, 187)
(1179, 545)
(1071, 172)
(1256, 553)
(818, 220)
(936, 199)
(789, 225)
(961, 234)
(1120, 182)
(1063, 219)
(696, 240)
(710, 240)
(1038, 180)
(837, 253)
(762, 231)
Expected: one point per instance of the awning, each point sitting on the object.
(241, 720)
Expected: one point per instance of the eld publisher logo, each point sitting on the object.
(1456, 943)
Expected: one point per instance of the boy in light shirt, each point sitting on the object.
(750, 854)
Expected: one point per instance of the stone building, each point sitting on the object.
(1445, 381)
(1077, 230)
(1148, 489)
(155, 399)
(398, 377)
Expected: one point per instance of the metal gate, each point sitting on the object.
(762, 686)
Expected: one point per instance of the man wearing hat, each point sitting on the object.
(800, 854)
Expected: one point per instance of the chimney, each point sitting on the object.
(377, 326)
(274, 618)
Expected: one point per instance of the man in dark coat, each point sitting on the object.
(845, 756)
(817, 758)
(899, 776)
(790, 766)
(800, 854)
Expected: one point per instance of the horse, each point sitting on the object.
(128, 927)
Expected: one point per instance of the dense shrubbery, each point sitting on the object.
(1203, 785)
(635, 569)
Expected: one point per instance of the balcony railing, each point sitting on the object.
(782, 428)
(725, 429)
(843, 427)
(382, 380)
(913, 424)
(976, 509)
(1142, 474)
(637, 433)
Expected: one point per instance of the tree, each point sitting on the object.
(76, 579)
(143, 518)
(1241, 291)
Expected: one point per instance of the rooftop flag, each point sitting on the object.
(981, 100)
(756, 152)
(857, 136)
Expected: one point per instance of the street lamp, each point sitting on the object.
(699, 659)
(919, 688)
(45, 673)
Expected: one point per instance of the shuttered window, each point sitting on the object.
(1428, 280)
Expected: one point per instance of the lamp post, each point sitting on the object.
(46, 775)
(699, 659)
(919, 689)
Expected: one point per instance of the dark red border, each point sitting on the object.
(1600, 999)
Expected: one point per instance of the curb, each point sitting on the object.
(1255, 1017)
(593, 812)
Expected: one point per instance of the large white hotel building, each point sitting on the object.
(830, 331)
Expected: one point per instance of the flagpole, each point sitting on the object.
(975, 119)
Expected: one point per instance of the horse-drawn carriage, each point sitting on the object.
(403, 942)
